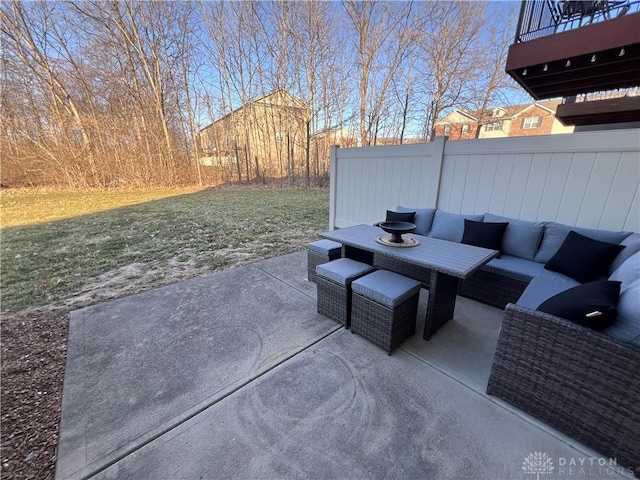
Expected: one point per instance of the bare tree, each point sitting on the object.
(108, 92)
(491, 82)
(318, 66)
(106, 88)
(236, 54)
(384, 36)
(30, 37)
(446, 51)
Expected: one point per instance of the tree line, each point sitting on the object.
(107, 93)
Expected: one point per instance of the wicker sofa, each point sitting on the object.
(580, 381)
(518, 275)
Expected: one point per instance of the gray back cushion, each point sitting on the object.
(555, 234)
(450, 226)
(628, 272)
(423, 219)
(631, 246)
(521, 238)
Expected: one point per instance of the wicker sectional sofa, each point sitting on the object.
(583, 382)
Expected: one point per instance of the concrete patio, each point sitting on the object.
(235, 375)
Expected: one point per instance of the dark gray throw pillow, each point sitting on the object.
(400, 216)
(582, 258)
(591, 304)
(484, 234)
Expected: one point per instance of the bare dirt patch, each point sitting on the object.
(135, 278)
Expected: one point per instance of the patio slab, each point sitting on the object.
(463, 347)
(139, 365)
(235, 375)
(344, 409)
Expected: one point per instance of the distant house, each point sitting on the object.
(378, 141)
(512, 121)
(321, 143)
(265, 136)
(334, 136)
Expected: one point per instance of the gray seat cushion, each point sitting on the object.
(423, 219)
(386, 288)
(450, 226)
(515, 267)
(627, 325)
(325, 247)
(555, 234)
(343, 271)
(521, 238)
(543, 288)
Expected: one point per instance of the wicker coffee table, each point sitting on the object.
(448, 262)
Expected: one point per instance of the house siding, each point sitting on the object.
(456, 133)
(545, 128)
(264, 137)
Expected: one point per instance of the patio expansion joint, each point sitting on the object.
(120, 453)
(292, 285)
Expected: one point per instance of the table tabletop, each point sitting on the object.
(456, 259)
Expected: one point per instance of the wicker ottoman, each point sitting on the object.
(384, 309)
(322, 251)
(334, 287)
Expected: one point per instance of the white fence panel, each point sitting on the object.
(556, 180)
(624, 192)
(370, 180)
(586, 179)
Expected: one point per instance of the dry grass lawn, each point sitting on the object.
(65, 250)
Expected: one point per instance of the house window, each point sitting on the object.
(492, 127)
(465, 128)
(447, 129)
(531, 122)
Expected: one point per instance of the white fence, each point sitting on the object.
(586, 179)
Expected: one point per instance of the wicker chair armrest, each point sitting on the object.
(577, 380)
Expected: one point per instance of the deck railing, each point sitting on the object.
(539, 18)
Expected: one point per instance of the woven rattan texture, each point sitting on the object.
(492, 289)
(579, 381)
(442, 302)
(359, 255)
(421, 274)
(383, 326)
(334, 301)
(314, 259)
